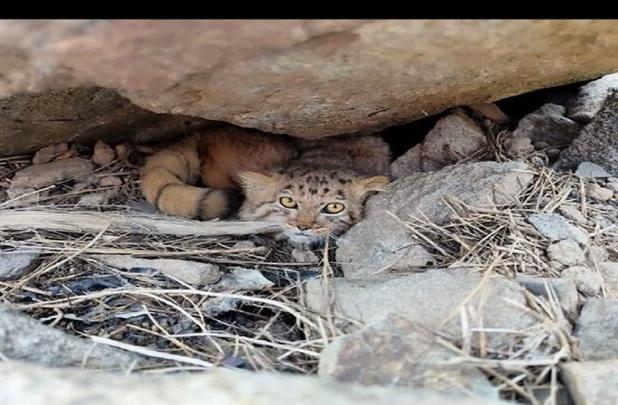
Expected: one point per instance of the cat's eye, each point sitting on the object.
(288, 202)
(333, 208)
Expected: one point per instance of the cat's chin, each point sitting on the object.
(302, 241)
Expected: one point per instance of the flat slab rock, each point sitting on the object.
(299, 77)
(17, 263)
(396, 351)
(27, 384)
(557, 228)
(379, 243)
(37, 176)
(592, 382)
(24, 338)
(597, 330)
(432, 299)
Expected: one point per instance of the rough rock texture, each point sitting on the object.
(573, 213)
(591, 97)
(381, 243)
(26, 384)
(588, 169)
(49, 153)
(597, 330)
(609, 271)
(24, 338)
(592, 382)
(565, 290)
(597, 142)
(453, 138)
(548, 125)
(437, 292)
(396, 351)
(566, 252)
(17, 263)
(51, 173)
(103, 154)
(587, 281)
(597, 192)
(302, 78)
(191, 272)
(556, 227)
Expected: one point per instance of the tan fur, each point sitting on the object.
(265, 166)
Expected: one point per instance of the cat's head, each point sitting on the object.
(310, 204)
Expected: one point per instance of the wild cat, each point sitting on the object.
(314, 189)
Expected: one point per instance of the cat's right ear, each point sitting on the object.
(258, 186)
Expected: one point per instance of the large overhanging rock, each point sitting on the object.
(304, 78)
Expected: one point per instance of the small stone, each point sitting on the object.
(597, 330)
(239, 278)
(190, 272)
(591, 97)
(573, 213)
(305, 256)
(103, 154)
(556, 227)
(598, 193)
(566, 252)
(17, 263)
(110, 181)
(37, 176)
(548, 124)
(518, 146)
(552, 152)
(219, 305)
(587, 281)
(591, 382)
(609, 271)
(397, 351)
(565, 290)
(540, 145)
(123, 151)
(596, 255)
(556, 265)
(49, 153)
(590, 170)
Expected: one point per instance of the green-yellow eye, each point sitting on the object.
(288, 202)
(333, 208)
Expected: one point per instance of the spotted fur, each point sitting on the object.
(266, 167)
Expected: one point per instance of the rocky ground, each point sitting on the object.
(488, 271)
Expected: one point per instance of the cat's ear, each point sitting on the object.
(365, 185)
(258, 186)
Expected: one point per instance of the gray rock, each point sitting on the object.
(16, 263)
(591, 97)
(573, 213)
(564, 289)
(194, 273)
(590, 170)
(453, 138)
(587, 281)
(24, 338)
(597, 142)
(28, 384)
(103, 154)
(304, 256)
(379, 243)
(97, 199)
(396, 351)
(596, 254)
(37, 176)
(556, 228)
(597, 192)
(597, 330)
(548, 124)
(49, 153)
(518, 146)
(566, 252)
(239, 278)
(591, 382)
(415, 296)
(609, 271)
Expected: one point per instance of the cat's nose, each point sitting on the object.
(303, 227)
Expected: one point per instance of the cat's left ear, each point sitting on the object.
(258, 186)
(363, 186)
